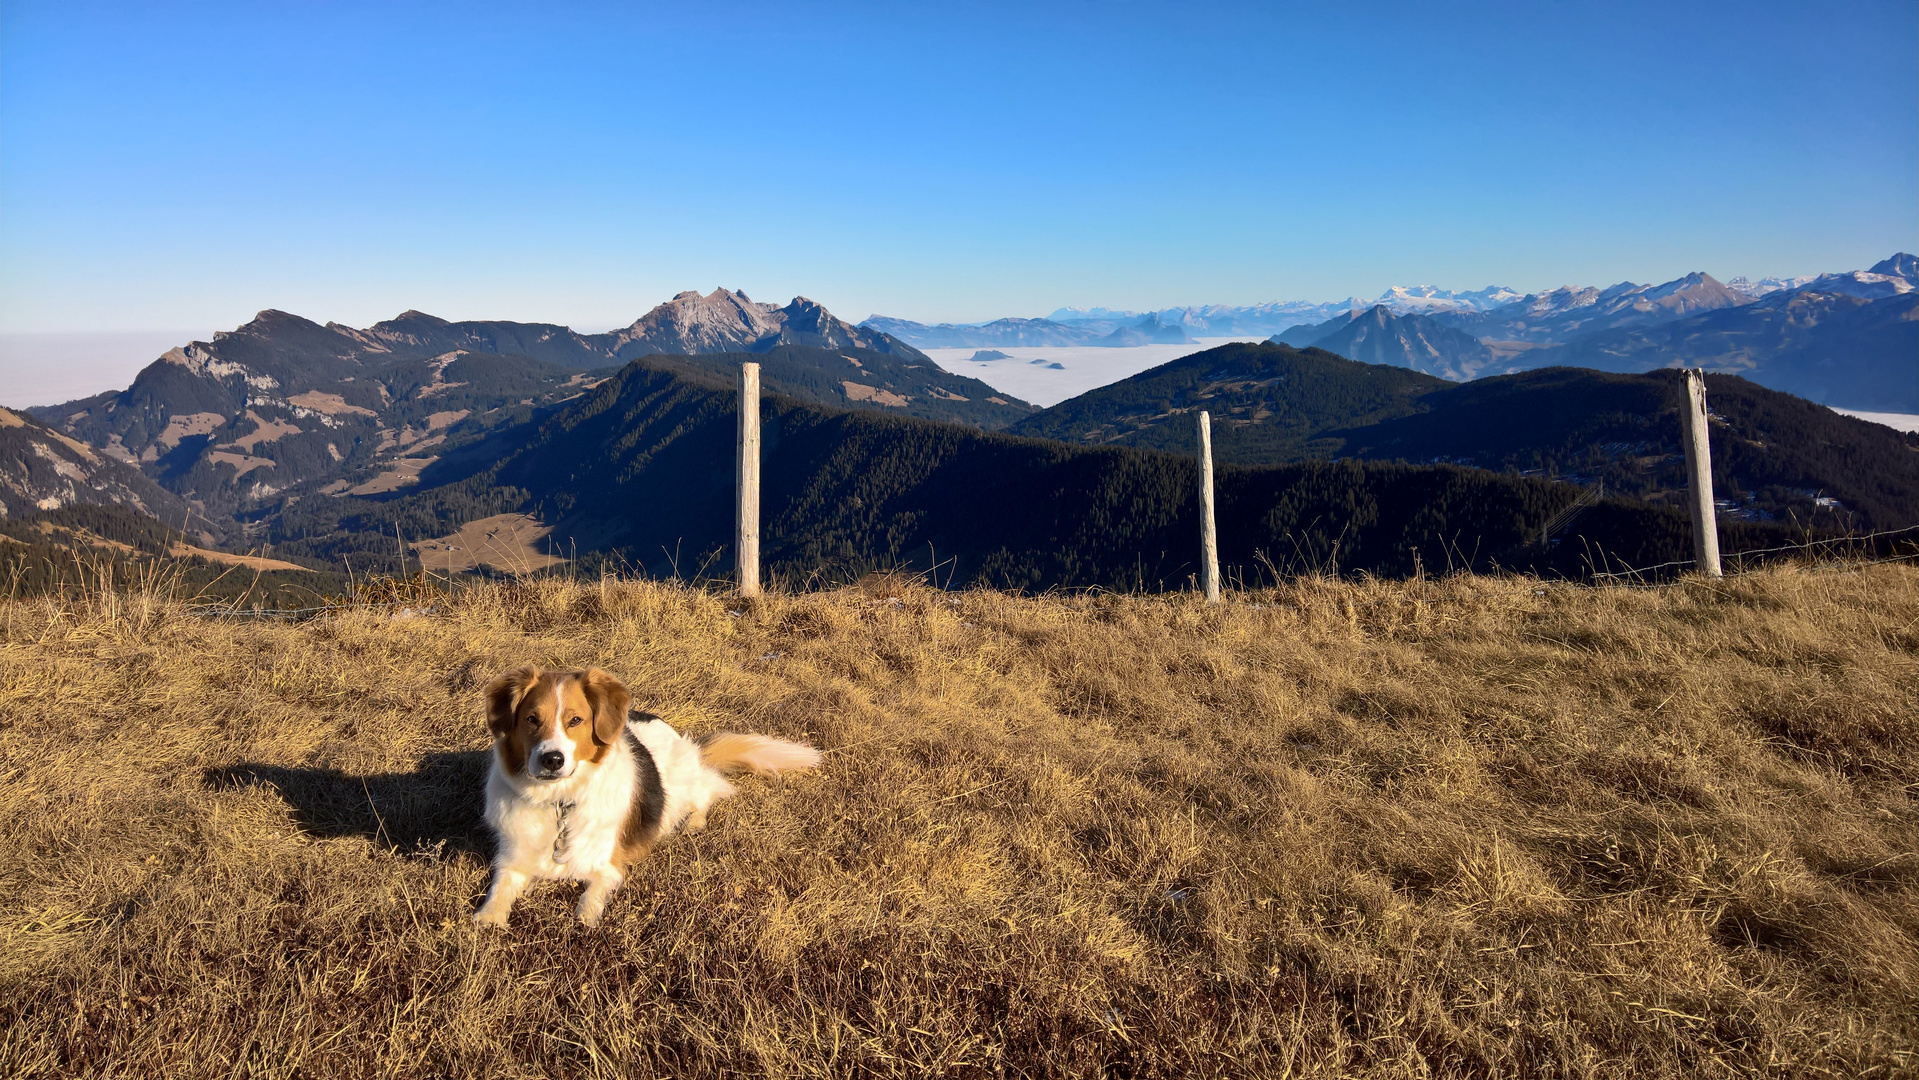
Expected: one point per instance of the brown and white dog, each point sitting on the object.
(578, 791)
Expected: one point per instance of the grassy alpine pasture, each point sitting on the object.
(1470, 826)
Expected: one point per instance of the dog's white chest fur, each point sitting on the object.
(563, 829)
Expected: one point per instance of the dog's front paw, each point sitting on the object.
(495, 919)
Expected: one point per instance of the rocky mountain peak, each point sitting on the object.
(726, 320)
(1901, 265)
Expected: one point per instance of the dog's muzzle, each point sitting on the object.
(548, 762)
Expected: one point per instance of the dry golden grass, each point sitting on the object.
(1464, 827)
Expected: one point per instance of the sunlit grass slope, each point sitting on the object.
(1461, 827)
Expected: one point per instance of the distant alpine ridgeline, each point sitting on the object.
(1849, 340)
(1176, 325)
(1103, 332)
(325, 441)
(284, 406)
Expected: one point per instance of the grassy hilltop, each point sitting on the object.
(1458, 827)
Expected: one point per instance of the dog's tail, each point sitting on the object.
(730, 754)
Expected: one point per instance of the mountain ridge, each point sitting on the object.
(1832, 348)
(284, 407)
(1377, 336)
(638, 475)
(43, 470)
(1774, 454)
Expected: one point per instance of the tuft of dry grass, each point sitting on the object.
(1459, 827)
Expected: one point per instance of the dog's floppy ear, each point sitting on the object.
(503, 695)
(610, 701)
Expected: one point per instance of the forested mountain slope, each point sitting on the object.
(284, 407)
(857, 378)
(43, 470)
(1775, 455)
(640, 474)
(1270, 403)
(83, 548)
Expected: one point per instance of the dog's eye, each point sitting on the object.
(575, 722)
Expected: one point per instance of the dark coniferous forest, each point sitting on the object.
(1326, 465)
(1775, 456)
(639, 475)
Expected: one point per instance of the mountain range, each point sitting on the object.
(285, 406)
(688, 324)
(321, 440)
(1846, 340)
(1833, 348)
(1175, 325)
(1567, 312)
(1853, 358)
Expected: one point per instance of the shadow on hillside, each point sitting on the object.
(434, 810)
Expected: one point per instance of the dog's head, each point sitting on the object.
(548, 723)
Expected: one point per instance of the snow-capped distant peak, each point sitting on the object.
(1563, 299)
(1902, 265)
(1430, 298)
(1080, 314)
(1860, 283)
(1766, 285)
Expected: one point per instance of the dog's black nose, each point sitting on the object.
(552, 760)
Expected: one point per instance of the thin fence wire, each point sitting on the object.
(1624, 579)
(1829, 542)
(229, 611)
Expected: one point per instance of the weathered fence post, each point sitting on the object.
(746, 519)
(1705, 517)
(1208, 536)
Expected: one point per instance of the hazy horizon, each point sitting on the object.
(52, 367)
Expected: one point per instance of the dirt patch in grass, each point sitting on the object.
(403, 472)
(506, 542)
(862, 392)
(225, 558)
(1464, 827)
(330, 404)
(264, 430)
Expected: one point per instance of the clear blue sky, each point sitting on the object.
(183, 165)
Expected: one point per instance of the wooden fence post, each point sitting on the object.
(1208, 536)
(746, 518)
(1705, 517)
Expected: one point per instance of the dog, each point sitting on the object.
(579, 790)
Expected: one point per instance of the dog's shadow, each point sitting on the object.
(433, 811)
